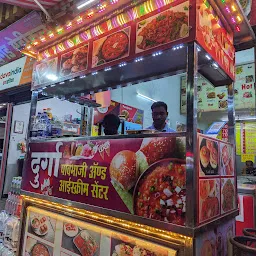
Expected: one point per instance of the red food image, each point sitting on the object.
(209, 144)
(43, 219)
(43, 229)
(160, 193)
(40, 250)
(70, 227)
(225, 155)
(115, 46)
(228, 193)
(247, 95)
(89, 150)
(210, 208)
(165, 28)
(85, 244)
(206, 186)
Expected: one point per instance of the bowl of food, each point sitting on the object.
(39, 250)
(160, 192)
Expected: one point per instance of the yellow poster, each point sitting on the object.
(247, 157)
(238, 138)
(248, 138)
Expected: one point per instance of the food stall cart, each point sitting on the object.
(146, 194)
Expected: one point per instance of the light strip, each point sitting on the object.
(85, 3)
(145, 97)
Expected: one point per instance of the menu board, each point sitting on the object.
(144, 177)
(141, 36)
(217, 187)
(248, 138)
(212, 98)
(238, 138)
(217, 241)
(51, 234)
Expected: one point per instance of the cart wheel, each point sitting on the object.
(249, 232)
(243, 245)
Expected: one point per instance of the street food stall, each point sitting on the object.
(142, 193)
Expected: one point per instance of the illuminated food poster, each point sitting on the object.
(74, 61)
(111, 48)
(145, 177)
(163, 28)
(216, 242)
(212, 36)
(77, 238)
(212, 98)
(209, 152)
(244, 86)
(45, 71)
(209, 200)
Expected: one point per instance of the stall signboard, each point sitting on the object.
(16, 35)
(248, 138)
(55, 234)
(16, 73)
(144, 177)
(212, 98)
(214, 38)
(118, 45)
(216, 173)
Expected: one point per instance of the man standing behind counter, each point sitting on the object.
(159, 115)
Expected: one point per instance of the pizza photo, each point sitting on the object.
(112, 47)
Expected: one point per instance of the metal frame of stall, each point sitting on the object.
(179, 237)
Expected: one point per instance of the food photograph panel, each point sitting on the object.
(128, 246)
(224, 233)
(42, 226)
(80, 240)
(206, 244)
(111, 48)
(226, 160)
(162, 28)
(33, 247)
(45, 71)
(208, 157)
(209, 199)
(228, 193)
(74, 61)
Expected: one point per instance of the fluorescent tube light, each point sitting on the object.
(52, 77)
(85, 3)
(145, 97)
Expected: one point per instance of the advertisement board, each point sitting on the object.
(145, 177)
(53, 234)
(216, 174)
(19, 33)
(16, 73)
(213, 37)
(153, 31)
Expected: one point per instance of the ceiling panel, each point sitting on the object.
(30, 4)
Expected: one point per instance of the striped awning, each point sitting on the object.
(30, 4)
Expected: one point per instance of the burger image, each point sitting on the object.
(205, 156)
(153, 150)
(211, 95)
(123, 169)
(214, 158)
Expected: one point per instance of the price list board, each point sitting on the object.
(248, 138)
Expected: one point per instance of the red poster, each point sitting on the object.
(145, 177)
(212, 36)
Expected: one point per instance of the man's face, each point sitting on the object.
(159, 115)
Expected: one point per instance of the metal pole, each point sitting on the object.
(32, 114)
(191, 137)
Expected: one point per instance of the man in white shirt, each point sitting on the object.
(159, 115)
